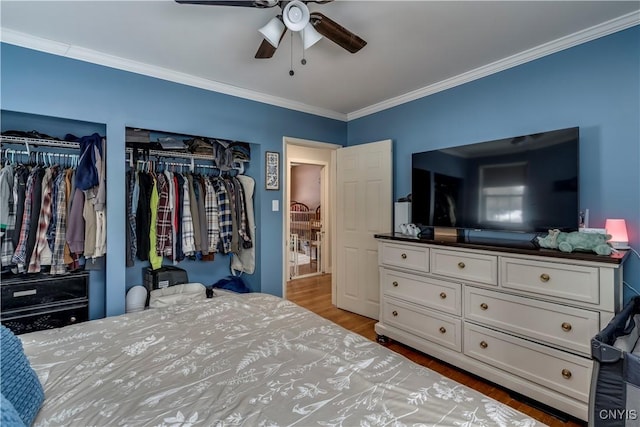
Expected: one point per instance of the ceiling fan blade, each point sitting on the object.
(266, 50)
(337, 33)
(255, 3)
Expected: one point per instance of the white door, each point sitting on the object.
(363, 208)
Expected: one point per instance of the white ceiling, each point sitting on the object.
(414, 47)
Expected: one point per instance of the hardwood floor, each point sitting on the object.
(314, 293)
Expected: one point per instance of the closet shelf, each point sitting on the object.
(181, 155)
(4, 139)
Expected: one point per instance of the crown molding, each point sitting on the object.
(92, 56)
(100, 58)
(604, 29)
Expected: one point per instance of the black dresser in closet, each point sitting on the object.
(39, 301)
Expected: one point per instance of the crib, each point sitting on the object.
(614, 399)
(305, 231)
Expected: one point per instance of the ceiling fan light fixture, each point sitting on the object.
(272, 31)
(296, 15)
(310, 36)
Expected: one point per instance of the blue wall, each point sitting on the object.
(38, 83)
(595, 86)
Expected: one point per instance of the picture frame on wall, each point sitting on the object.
(272, 170)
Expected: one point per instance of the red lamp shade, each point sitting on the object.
(617, 228)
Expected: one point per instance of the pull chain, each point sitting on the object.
(291, 73)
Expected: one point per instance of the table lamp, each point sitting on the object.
(617, 228)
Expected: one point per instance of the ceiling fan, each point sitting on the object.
(295, 16)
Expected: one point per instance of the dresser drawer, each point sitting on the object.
(435, 327)
(555, 324)
(433, 293)
(23, 321)
(466, 266)
(31, 291)
(563, 372)
(404, 256)
(573, 282)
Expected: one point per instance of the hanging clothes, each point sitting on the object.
(60, 230)
(41, 253)
(191, 216)
(245, 261)
(143, 216)
(7, 213)
(130, 235)
(41, 240)
(164, 245)
(154, 259)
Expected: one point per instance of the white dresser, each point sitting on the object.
(521, 318)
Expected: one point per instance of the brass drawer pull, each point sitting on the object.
(484, 306)
(403, 256)
(566, 326)
(395, 284)
(395, 313)
(484, 344)
(544, 277)
(443, 330)
(566, 374)
(461, 265)
(443, 295)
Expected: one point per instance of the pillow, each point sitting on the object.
(177, 294)
(8, 415)
(19, 383)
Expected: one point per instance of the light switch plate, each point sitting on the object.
(275, 205)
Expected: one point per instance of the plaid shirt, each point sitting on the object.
(7, 178)
(20, 255)
(163, 220)
(225, 219)
(188, 238)
(241, 212)
(60, 235)
(233, 206)
(211, 213)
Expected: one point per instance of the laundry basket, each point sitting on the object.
(614, 399)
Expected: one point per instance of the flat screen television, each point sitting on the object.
(525, 183)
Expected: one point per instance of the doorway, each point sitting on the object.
(314, 232)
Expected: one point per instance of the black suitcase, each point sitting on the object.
(164, 277)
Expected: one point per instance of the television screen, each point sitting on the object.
(525, 183)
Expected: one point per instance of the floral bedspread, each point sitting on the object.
(241, 360)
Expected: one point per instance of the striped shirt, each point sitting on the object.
(188, 238)
(211, 209)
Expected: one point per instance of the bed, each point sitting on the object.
(241, 360)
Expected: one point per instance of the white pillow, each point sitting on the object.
(177, 294)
